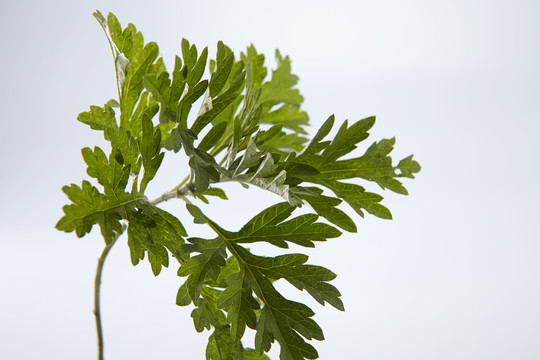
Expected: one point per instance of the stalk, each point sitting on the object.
(97, 287)
(175, 193)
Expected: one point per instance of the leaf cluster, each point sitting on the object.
(250, 129)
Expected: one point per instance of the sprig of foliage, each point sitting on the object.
(249, 129)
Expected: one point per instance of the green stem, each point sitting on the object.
(97, 286)
(175, 193)
(181, 184)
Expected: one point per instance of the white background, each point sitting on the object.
(455, 275)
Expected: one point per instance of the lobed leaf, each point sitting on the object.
(222, 347)
(325, 206)
(408, 167)
(224, 67)
(98, 118)
(90, 207)
(156, 232)
(280, 88)
(150, 145)
(279, 318)
(237, 299)
(209, 261)
(374, 165)
(206, 314)
(292, 268)
(110, 173)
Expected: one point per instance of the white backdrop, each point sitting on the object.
(453, 276)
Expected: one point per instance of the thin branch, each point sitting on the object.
(97, 286)
(173, 194)
(176, 193)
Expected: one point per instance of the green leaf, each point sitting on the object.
(358, 198)
(221, 346)
(408, 167)
(280, 88)
(198, 69)
(224, 67)
(219, 104)
(110, 173)
(315, 146)
(237, 299)
(289, 116)
(274, 101)
(165, 92)
(184, 106)
(178, 81)
(150, 146)
(325, 206)
(250, 354)
(159, 86)
(133, 61)
(180, 137)
(267, 226)
(204, 171)
(90, 207)
(156, 232)
(345, 140)
(256, 62)
(287, 142)
(208, 263)
(292, 268)
(140, 241)
(114, 34)
(263, 136)
(216, 107)
(375, 165)
(272, 326)
(98, 118)
(113, 103)
(125, 146)
(139, 66)
(206, 314)
(211, 192)
(280, 318)
(258, 168)
(146, 109)
(213, 136)
(182, 297)
(230, 268)
(299, 169)
(198, 216)
(251, 110)
(189, 53)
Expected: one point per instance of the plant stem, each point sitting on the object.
(175, 193)
(181, 184)
(97, 286)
